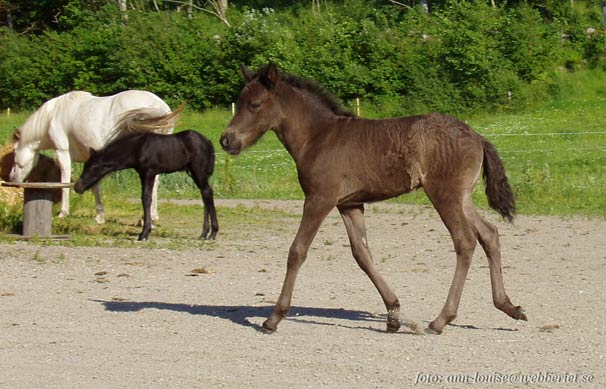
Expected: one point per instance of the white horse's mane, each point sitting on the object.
(36, 125)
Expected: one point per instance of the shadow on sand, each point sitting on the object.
(240, 314)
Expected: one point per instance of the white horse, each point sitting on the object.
(76, 122)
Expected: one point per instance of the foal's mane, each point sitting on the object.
(323, 95)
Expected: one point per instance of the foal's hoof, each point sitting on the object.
(268, 328)
(393, 325)
(431, 331)
(519, 314)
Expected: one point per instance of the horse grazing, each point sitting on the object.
(345, 161)
(76, 122)
(152, 154)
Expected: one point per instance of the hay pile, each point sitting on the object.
(8, 196)
(45, 171)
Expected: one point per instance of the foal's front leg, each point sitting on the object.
(147, 182)
(314, 212)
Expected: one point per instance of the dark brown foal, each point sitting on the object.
(345, 161)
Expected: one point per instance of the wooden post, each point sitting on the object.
(37, 212)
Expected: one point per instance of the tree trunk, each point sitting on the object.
(220, 10)
(423, 3)
(5, 15)
(122, 5)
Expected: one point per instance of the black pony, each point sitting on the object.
(151, 154)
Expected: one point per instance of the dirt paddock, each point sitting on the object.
(108, 317)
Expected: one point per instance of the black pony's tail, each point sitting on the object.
(211, 159)
(499, 193)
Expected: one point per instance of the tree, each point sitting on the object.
(220, 10)
(31, 16)
(122, 5)
(424, 5)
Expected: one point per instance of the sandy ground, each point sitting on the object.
(108, 317)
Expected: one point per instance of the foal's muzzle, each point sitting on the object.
(230, 144)
(79, 187)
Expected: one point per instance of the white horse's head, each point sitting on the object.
(26, 157)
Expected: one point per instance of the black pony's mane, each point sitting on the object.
(324, 96)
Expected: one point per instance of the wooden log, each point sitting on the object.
(37, 212)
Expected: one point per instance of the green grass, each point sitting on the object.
(178, 228)
(555, 155)
(555, 158)
(8, 123)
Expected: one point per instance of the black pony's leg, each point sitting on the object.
(209, 212)
(206, 226)
(147, 183)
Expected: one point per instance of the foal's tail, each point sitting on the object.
(211, 159)
(499, 193)
(147, 120)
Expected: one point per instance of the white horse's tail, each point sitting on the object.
(147, 120)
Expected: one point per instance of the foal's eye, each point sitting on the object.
(254, 105)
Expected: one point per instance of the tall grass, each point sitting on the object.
(555, 155)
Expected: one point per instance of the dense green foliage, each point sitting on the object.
(462, 56)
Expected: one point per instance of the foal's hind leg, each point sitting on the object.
(489, 240)
(147, 182)
(210, 213)
(453, 215)
(354, 223)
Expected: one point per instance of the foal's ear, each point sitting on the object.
(246, 73)
(270, 76)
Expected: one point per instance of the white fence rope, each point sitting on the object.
(503, 151)
(549, 134)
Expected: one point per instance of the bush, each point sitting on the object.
(463, 56)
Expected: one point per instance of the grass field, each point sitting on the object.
(555, 156)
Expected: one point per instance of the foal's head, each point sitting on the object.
(257, 109)
(94, 169)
